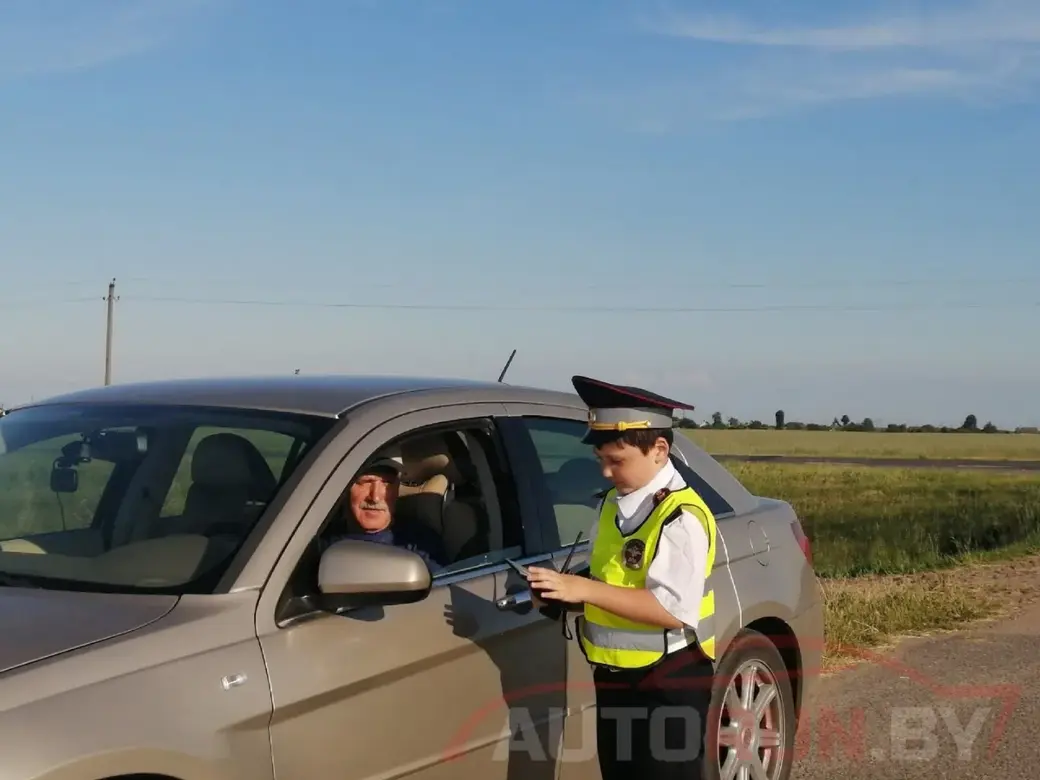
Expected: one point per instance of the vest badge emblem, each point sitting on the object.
(632, 553)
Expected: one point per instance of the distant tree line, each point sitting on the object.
(845, 423)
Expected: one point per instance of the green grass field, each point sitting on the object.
(937, 446)
(878, 520)
(866, 520)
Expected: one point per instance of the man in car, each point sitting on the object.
(368, 514)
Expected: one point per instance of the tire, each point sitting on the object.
(749, 651)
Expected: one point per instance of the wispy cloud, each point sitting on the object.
(946, 27)
(54, 36)
(983, 53)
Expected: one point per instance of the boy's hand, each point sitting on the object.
(555, 585)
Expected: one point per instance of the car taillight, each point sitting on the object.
(803, 540)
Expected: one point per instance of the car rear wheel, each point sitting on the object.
(752, 726)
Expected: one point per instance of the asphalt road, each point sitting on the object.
(913, 463)
(959, 706)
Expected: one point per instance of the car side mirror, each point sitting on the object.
(355, 573)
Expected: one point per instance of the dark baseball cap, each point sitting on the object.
(383, 463)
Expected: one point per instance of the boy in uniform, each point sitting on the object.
(648, 603)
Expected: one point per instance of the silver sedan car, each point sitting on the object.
(178, 599)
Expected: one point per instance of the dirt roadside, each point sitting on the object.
(957, 703)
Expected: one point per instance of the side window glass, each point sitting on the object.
(572, 473)
(452, 501)
(716, 503)
(574, 478)
(29, 506)
(272, 448)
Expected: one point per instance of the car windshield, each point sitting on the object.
(137, 499)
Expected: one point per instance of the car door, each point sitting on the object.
(565, 479)
(568, 481)
(422, 689)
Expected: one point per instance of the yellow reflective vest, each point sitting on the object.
(611, 640)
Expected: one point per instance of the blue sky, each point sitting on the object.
(832, 205)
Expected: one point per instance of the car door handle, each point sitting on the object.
(514, 601)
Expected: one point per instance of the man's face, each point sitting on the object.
(629, 468)
(372, 499)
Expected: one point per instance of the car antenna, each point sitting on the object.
(506, 367)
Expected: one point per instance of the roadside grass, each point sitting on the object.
(871, 613)
(892, 546)
(922, 446)
(869, 520)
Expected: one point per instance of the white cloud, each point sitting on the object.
(983, 53)
(989, 23)
(55, 36)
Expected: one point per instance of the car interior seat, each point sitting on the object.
(432, 476)
(424, 484)
(466, 511)
(230, 485)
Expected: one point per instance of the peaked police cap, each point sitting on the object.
(621, 408)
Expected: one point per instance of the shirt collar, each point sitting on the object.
(629, 504)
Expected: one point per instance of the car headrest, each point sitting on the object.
(226, 459)
(426, 457)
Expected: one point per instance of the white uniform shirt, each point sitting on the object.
(677, 573)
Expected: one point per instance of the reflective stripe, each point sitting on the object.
(706, 626)
(619, 639)
(651, 640)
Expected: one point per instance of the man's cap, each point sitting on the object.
(621, 408)
(383, 463)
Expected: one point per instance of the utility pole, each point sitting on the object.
(110, 299)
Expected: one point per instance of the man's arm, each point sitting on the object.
(425, 543)
(431, 548)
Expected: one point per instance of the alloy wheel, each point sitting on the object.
(752, 725)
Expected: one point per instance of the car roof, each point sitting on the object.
(316, 395)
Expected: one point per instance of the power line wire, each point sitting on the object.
(533, 308)
(820, 284)
(750, 309)
(541, 284)
(591, 308)
(42, 303)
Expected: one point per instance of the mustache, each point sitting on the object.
(374, 506)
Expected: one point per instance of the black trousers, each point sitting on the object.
(650, 723)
